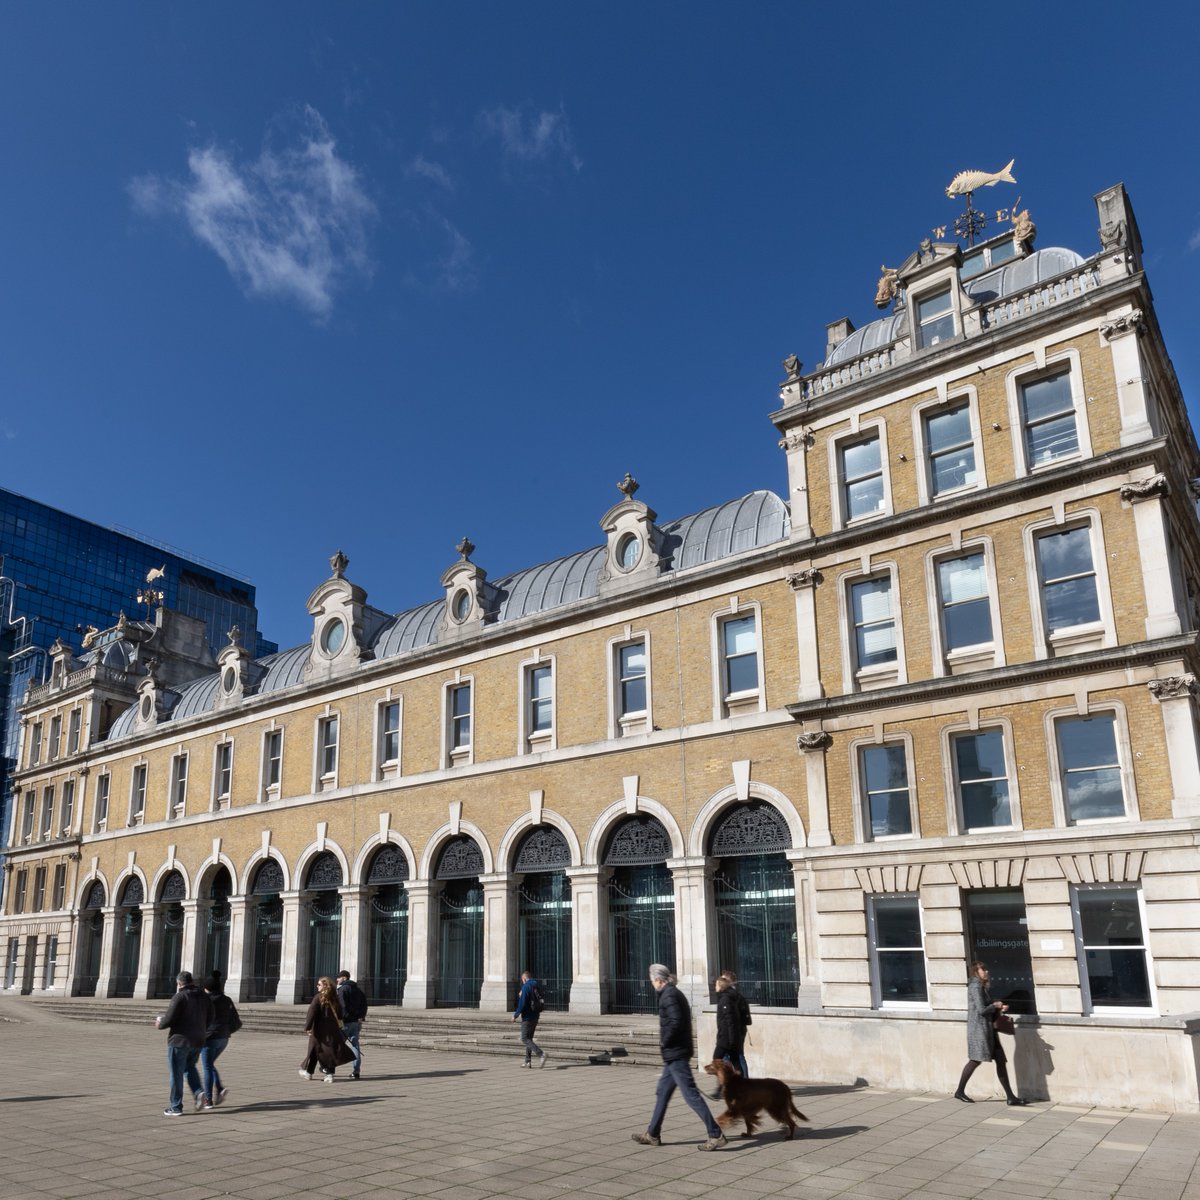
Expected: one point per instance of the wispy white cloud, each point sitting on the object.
(292, 223)
(531, 137)
(422, 168)
(1194, 241)
(456, 268)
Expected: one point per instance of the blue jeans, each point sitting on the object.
(351, 1031)
(739, 1060)
(678, 1074)
(181, 1060)
(208, 1057)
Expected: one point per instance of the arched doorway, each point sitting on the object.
(544, 912)
(460, 923)
(321, 904)
(266, 919)
(216, 924)
(91, 940)
(754, 894)
(168, 953)
(129, 936)
(641, 911)
(387, 900)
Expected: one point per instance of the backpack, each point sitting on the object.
(535, 1002)
(744, 1009)
(354, 1001)
(226, 1013)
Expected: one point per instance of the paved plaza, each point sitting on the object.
(81, 1116)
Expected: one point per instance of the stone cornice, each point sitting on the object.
(927, 691)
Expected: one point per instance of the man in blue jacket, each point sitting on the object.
(676, 1046)
(529, 1008)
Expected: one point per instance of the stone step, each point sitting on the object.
(618, 1039)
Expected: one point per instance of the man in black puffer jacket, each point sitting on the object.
(187, 1017)
(675, 1044)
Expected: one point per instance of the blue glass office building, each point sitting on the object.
(59, 574)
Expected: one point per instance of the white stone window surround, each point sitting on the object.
(46, 827)
(268, 790)
(859, 431)
(961, 394)
(1043, 366)
(101, 801)
(639, 722)
(35, 744)
(74, 729)
(877, 1000)
(1106, 1011)
(327, 737)
(727, 704)
(69, 812)
(1058, 802)
(965, 658)
(862, 826)
(529, 740)
(138, 786)
(222, 778)
(931, 286)
(386, 765)
(455, 756)
(856, 679)
(1092, 635)
(177, 783)
(55, 736)
(955, 823)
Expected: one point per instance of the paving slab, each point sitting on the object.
(81, 1104)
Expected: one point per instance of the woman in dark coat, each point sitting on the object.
(323, 1024)
(983, 1043)
(731, 1028)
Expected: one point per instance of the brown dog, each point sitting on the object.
(746, 1098)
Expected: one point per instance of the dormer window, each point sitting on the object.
(460, 608)
(935, 318)
(333, 636)
(629, 550)
(229, 680)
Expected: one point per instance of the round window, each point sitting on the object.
(147, 707)
(461, 605)
(229, 680)
(629, 550)
(333, 636)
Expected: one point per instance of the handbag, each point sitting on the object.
(1003, 1023)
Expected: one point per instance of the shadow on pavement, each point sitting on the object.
(317, 1101)
(32, 1099)
(833, 1131)
(372, 1077)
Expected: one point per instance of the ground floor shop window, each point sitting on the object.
(897, 951)
(1112, 949)
(998, 934)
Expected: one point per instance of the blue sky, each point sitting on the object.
(281, 278)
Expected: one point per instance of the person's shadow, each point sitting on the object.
(1033, 1060)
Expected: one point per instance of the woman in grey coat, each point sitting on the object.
(983, 1043)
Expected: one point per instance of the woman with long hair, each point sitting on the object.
(323, 1024)
(983, 1043)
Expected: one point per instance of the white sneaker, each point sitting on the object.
(541, 1062)
(305, 1074)
(328, 1077)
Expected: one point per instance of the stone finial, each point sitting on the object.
(235, 636)
(628, 486)
(888, 285)
(793, 366)
(338, 564)
(466, 548)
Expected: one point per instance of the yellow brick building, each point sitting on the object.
(935, 704)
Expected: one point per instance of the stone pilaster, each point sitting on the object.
(108, 949)
(693, 921)
(501, 951)
(808, 648)
(813, 746)
(355, 918)
(423, 969)
(241, 966)
(151, 924)
(1176, 696)
(294, 949)
(1149, 519)
(589, 903)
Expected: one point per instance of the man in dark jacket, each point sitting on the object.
(675, 1044)
(528, 1011)
(354, 1013)
(187, 1017)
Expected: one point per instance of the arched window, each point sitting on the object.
(754, 895)
(544, 912)
(641, 910)
(388, 928)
